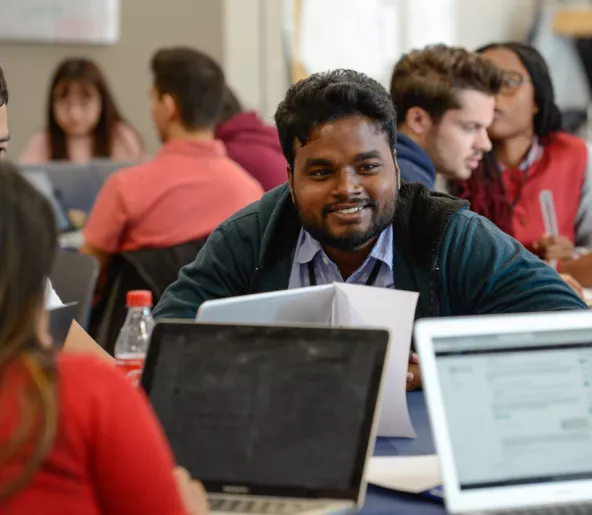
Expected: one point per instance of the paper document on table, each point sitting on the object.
(365, 306)
(345, 305)
(412, 474)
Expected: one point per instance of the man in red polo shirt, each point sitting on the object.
(191, 186)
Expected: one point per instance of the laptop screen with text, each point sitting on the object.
(518, 406)
(268, 407)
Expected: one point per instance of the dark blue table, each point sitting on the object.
(380, 501)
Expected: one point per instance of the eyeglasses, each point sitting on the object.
(511, 82)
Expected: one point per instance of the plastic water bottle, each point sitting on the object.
(133, 340)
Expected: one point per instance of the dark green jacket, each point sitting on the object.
(459, 262)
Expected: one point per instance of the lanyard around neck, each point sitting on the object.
(312, 278)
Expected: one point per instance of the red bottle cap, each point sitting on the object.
(139, 299)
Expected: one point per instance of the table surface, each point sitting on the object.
(380, 501)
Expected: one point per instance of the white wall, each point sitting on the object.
(253, 54)
(256, 64)
(483, 21)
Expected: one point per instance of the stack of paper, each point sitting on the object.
(339, 305)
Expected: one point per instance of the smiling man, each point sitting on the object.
(445, 100)
(345, 216)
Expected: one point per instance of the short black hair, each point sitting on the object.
(329, 96)
(194, 80)
(3, 89)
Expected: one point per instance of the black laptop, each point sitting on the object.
(270, 419)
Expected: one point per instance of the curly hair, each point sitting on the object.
(431, 78)
(329, 96)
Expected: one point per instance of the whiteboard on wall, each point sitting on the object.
(61, 21)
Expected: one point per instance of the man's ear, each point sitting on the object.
(291, 182)
(171, 108)
(418, 121)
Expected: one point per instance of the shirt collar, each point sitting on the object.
(307, 248)
(533, 155)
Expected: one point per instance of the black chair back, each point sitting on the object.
(147, 269)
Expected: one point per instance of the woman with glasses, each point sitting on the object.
(83, 121)
(530, 155)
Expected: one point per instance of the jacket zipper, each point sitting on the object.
(254, 279)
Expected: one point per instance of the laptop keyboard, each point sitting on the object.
(582, 509)
(260, 506)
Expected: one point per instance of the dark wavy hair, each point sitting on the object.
(329, 96)
(485, 189)
(28, 239)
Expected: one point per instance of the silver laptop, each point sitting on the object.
(510, 404)
(40, 181)
(270, 419)
(74, 185)
(104, 168)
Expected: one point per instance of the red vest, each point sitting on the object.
(561, 169)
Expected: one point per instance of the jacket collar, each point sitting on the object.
(420, 221)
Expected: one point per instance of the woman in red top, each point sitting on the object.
(75, 436)
(532, 154)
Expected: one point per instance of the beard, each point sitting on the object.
(354, 237)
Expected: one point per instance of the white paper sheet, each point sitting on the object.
(339, 304)
(365, 306)
(413, 474)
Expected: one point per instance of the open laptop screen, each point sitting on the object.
(282, 411)
(518, 406)
(43, 184)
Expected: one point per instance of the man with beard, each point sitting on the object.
(345, 216)
(191, 185)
